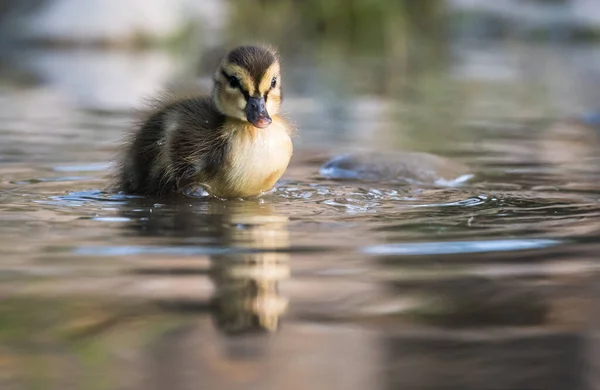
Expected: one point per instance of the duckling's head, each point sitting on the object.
(247, 85)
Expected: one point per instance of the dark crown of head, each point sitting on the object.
(255, 59)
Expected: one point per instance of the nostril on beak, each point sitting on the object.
(256, 104)
(256, 112)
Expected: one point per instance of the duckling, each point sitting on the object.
(234, 144)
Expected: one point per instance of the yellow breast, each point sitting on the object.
(256, 160)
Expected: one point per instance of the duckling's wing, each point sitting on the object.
(196, 141)
(179, 142)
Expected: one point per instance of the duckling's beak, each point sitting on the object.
(256, 112)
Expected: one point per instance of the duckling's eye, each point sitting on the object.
(234, 82)
(274, 82)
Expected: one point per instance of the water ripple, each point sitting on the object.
(439, 248)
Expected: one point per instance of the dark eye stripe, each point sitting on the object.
(238, 86)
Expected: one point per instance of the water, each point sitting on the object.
(482, 284)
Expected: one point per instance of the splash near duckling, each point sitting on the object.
(234, 144)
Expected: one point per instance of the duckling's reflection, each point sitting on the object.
(253, 261)
(247, 296)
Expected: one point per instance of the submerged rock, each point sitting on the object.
(406, 167)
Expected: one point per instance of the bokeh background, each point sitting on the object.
(357, 62)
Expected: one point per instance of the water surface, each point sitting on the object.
(322, 283)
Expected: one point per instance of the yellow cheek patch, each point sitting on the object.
(241, 103)
(231, 103)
